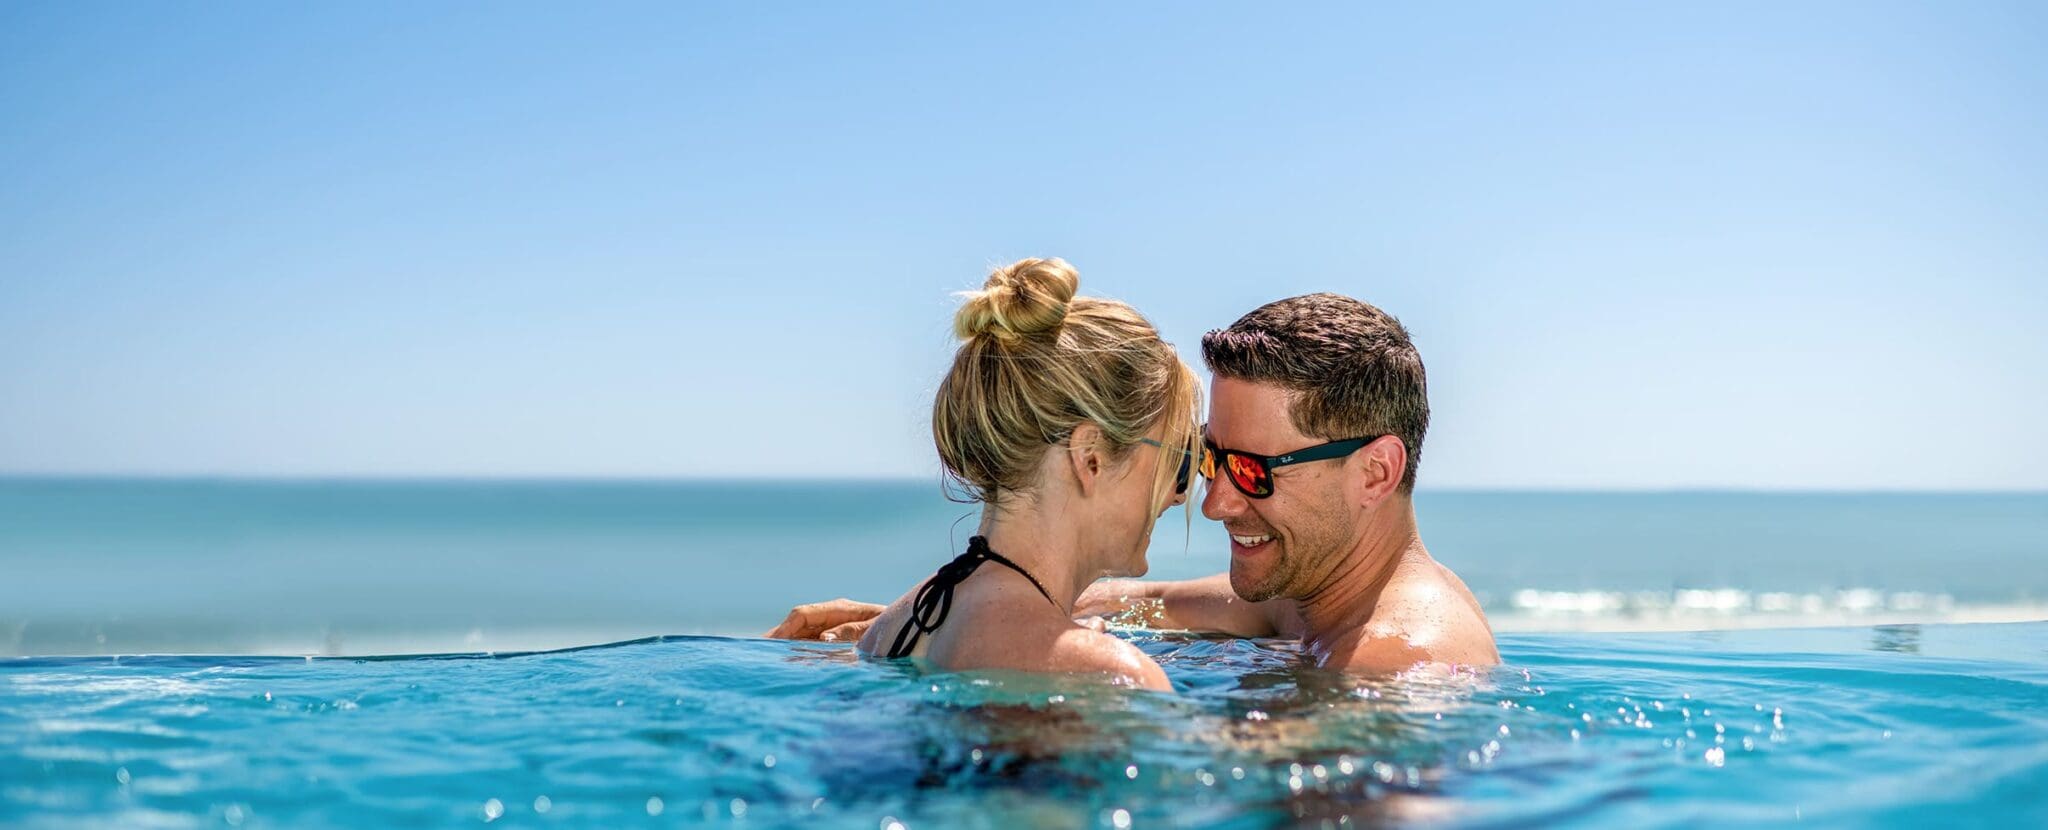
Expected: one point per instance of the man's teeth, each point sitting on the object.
(1250, 541)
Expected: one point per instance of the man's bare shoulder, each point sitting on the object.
(1425, 615)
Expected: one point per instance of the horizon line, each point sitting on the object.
(440, 478)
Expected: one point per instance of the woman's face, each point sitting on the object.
(1132, 504)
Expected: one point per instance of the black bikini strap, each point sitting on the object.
(935, 599)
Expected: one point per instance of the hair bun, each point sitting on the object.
(1024, 298)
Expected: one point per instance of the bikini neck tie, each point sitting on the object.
(935, 599)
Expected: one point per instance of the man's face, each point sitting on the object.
(1287, 544)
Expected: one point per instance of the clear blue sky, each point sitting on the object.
(1747, 245)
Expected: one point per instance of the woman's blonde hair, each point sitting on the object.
(1037, 361)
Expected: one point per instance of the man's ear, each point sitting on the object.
(1383, 462)
(1085, 454)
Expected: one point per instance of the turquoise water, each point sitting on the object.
(1863, 724)
(109, 566)
(1903, 726)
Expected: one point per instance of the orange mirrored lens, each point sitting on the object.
(1249, 475)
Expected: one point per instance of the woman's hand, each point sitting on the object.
(839, 620)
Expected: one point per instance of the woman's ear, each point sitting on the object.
(1086, 455)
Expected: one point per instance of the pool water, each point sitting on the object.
(1898, 726)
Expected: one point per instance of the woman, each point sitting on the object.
(1069, 420)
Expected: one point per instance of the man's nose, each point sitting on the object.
(1221, 501)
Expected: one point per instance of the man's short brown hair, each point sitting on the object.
(1351, 368)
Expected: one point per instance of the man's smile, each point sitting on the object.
(1245, 544)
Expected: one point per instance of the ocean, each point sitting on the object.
(131, 566)
(367, 654)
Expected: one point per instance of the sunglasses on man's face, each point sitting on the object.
(1182, 478)
(1253, 474)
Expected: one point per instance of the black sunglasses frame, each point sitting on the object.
(1184, 478)
(1218, 457)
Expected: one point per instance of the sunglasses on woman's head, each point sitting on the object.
(1253, 474)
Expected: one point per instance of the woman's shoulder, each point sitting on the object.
(1047, 646)
(986, 632)
(1082, 650)
(884, 629)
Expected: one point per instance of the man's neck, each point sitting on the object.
(1347, 598)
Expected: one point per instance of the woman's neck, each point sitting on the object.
(1048, 549)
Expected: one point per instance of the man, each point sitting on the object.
(1316, 419)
